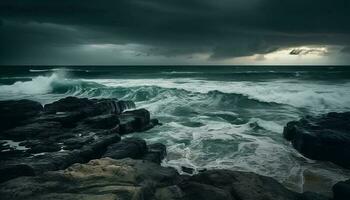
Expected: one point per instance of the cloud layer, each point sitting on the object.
(60, 32)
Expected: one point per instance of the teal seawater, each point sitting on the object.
(213, 116)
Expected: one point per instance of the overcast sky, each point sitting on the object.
(128, 32)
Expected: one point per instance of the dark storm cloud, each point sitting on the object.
(224, 29)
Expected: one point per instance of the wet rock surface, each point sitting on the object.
(57, 135)
(13, 113)
(129, 147)
(244, 185)
(136, 148)
(341, 190)
(325, 137)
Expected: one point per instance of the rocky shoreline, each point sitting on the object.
(72, 149)
(325, 137)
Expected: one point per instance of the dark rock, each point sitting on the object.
(99, 147)
(76, 142)
(63, 159)
(245, 185)
(8, 172)
(68, 104)
(124, 105)
(312, 196)
(172, 192)
(156, 153)
(34, 131)
(136, 121)
(202, 170)
(155, 122)
(291, 130)
(71, 130)
(13, 113)
(187, 170)
(44, 148)
(128, 148)
(70, 110)
(66, 119)
(90, 107)
(52, 158)
(113, 106)
(199, 191)
(6, 154)
(136, 148)
(325, 137)
(341, 190)
(102, 121)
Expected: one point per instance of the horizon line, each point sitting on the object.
(172, 65)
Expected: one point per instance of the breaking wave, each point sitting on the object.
(317, 96)
(314, 96)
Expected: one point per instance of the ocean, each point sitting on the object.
(214, 117)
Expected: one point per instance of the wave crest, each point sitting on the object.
(38, 85)
(312, 96)
(56, 84)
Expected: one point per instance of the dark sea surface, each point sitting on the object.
(213, 116)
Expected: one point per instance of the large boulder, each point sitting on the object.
(136, 148)
(136, 121)
(98, 179)
(341, 190)
(325, 137)
(156, 153)
(89, 107)
(128, 148)
(35, 130)
(245, 185)
(13, 113)
(107, 121)
(312, 196)
(68, 104)
(8, 172)
(199, 191)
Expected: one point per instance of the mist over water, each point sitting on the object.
(213, 117)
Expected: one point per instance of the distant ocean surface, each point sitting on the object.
(213, 116)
